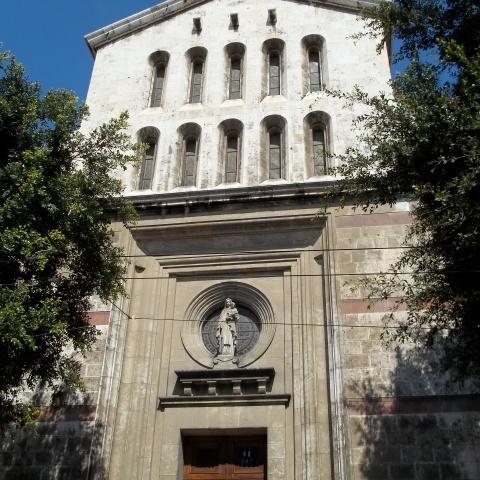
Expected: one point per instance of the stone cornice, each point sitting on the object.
(259, 193)
(169, 8)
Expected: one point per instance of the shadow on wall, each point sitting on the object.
(59, 450)
(429, 431)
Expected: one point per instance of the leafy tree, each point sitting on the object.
(57, 195)
(422, 143)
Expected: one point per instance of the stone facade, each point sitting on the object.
(332, 401)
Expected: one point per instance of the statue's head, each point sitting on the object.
(229, 303)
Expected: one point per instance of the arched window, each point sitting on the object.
(231, 134)
(317, 143)
(232, 157)
(235, 53)
(197, 57)
(190, 161)
(315, 71)
(273, 50)
(148, 136)
(319, 150)
(159, 62)
(275, 153)
(190, 143)
(274, 150)
(274, 80)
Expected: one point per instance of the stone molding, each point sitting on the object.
(259, 378)
(224, 400)
(213, 298)
(208, 198)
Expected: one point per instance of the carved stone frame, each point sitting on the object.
(213, 298)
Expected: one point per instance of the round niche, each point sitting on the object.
(253, 325)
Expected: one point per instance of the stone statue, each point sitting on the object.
(226, 333)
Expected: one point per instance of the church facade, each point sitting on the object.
(245, 349)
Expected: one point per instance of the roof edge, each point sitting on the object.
(164, 10)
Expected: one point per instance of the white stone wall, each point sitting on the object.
(122, 78)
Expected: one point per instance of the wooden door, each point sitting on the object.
(225, 458)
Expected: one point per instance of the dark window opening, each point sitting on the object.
(235, 78)
(274, 68)
(315, 73)
(197, 82)
(158, 83)
(319, 151)
(189, 162)
(232, 155)
(275, 154)
(147, 169)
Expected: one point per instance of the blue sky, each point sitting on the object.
(46, 36)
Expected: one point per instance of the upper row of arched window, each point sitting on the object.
(273, 72)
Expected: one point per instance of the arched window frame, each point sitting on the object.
(197, 57)
(273, 158)
(146, 171)
(235, 53)
(276, 171)
(235, 84)
(274, 77)
(231, 159)
(232, 171)
(317, 151)
(196, 81)
(190, 132)
(315, 77)
(159, 63)
(274, 73)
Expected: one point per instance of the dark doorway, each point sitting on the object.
(225, 458)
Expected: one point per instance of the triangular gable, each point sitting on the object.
(169, 8)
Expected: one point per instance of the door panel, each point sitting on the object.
(225, 458)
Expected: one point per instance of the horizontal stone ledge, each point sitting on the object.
(374, 219)
(224, 401)
(210, 197)
(422, 404)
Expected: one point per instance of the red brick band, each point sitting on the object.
(98, 318)
(77, 413)
(366, 306)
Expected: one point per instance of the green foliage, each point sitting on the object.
(57, 198)
(423, 143)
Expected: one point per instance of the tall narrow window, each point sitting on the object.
(315, 70)
(147, 168)
(317, 130)
(274, 67)
(319, 150)
(158, 61)
(232, 157)
(190, 161)
(275, 153)
(315, 74)
(158, 82)
(196, 82)
(235, 78)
